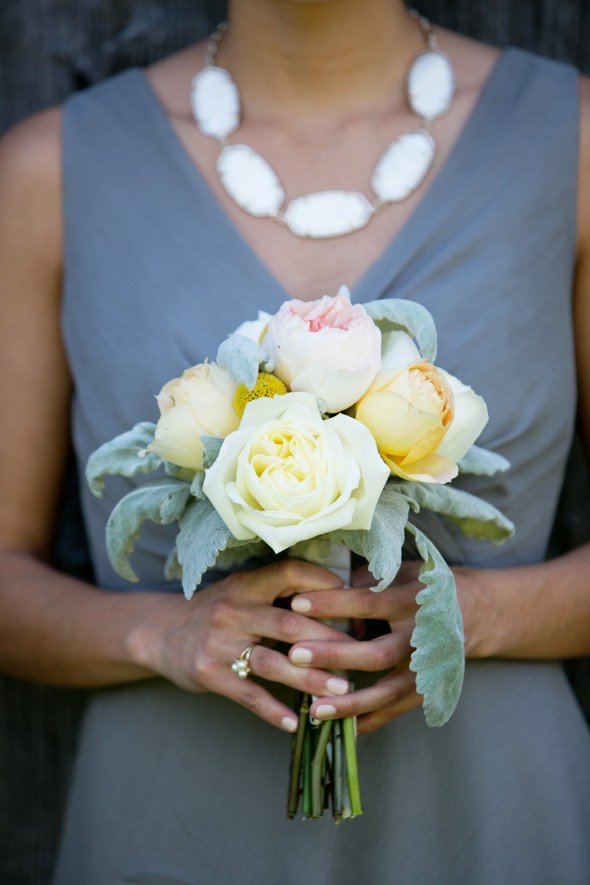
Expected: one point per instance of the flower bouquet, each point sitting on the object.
(317, 431)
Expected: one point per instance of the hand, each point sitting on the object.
(395, 692)
(194, 643)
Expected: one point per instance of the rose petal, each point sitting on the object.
(471, 416)
(397, 350)
(433, 468)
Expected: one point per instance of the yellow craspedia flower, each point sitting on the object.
(266, 385)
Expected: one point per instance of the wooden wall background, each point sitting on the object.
(49, 48)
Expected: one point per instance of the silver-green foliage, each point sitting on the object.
(438, 659)
(397, 314)
(125, 455)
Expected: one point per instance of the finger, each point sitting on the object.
(378, 654)
(370, 722)
(390, 691)
(229, 616)
(253, 697)
(285, 578)
(388, 605)
(276, 667)
(409, 570)
(278, 624)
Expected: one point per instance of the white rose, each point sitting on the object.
(286, 475)
(200, 403)
(423, 419)
(254, 329)
(330, 348)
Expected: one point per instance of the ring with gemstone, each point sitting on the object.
(241, 666)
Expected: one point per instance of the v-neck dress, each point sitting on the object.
(172, 787)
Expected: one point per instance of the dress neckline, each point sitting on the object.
(377, 275)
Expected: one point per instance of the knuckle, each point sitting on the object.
(383, 655)
(368, 604)
(290, 572)
(221, 613)
(252, 700)
(287, 624)
(262, 662)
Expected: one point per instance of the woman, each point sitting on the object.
(154, 255)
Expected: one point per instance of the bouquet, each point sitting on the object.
(318, 431)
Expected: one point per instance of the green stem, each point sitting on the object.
(338, 772)
(352, 772)
(296, 756)
(306, 772)
(317, 768)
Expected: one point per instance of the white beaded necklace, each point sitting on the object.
(254, 185)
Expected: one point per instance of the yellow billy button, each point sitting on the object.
(266, 385)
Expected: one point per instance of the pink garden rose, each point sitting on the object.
(329, 347)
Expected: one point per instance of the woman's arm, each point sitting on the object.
(57, 629)
(530, 612)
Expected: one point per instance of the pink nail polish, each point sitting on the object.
(337, 685)
(301, 656)
(325, 711)
(289, 724)
(300, 605)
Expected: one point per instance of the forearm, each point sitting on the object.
(540, 611)
(62, 631)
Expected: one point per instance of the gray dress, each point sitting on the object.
(172, 787)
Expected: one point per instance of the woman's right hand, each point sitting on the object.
(193, 644)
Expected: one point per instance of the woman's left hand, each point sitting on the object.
(394, 692)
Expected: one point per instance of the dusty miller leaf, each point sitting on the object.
(476, 517)
(211, 447)
(160, 500)
(241, 356)
(202, 537)
(120, 456)
(397, 314)
(381, 545)
(439, 657)
(482, 462)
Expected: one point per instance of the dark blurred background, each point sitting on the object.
(49, 48)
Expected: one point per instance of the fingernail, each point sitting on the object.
(301, 656)
(300, 605)
(289, 724)
(325, 711)
(337, 685)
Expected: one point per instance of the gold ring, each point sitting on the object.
(241, 666)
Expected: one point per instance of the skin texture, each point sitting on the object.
(62, 631)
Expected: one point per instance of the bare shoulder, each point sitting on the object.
(30, 182)
(32, 146)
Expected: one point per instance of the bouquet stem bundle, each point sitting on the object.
(324, 771)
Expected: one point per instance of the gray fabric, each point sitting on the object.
(172, 787)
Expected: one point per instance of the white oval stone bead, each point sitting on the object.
(327, 214)
(215, 102)
(403, 165)
(431, 84)
(249, 180)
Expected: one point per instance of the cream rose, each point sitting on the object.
(330, 348)
(423, 419)
(254, 329)
(199, 403)
(287, 475)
